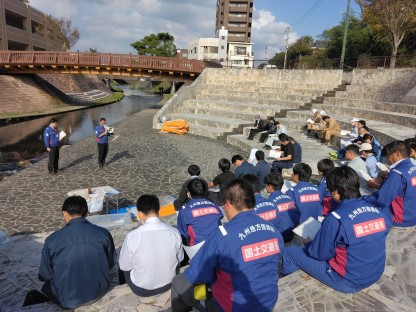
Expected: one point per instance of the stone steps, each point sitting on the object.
(219, 122)
(264, 85)
(292, 90)
(258, 95)
(390, 107)
(254, 101)
(263, 110)
(227, 113)
(371, 96)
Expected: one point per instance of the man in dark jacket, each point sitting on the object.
(76, 260)
(262, 168)
(259, 126)
(51, 140)
(194, 171)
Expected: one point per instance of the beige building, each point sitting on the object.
(235, 16)
(22, 27)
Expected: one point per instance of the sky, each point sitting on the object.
(112, 25)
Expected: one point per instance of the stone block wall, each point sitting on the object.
(73, 83)
(22, 94)
(400, 78)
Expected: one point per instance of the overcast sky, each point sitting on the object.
(111, 25)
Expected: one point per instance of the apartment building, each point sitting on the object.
(235, 16)
(22, 27)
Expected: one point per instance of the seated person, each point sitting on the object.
(366, 151)
(375, 145)
(362, 130)
(284, 204)
(355, 162)
(150, 255)
(348, 253)
(76, 260)
(398, 190)
(332, 128)
(412, 146)
(315, 120)
(270, 129)
(221, 180)
(345, 141)
(328, 204)
(262, 168)
(264, 208)
(297, 156)
(243, 167)
(272, 137)
(194, 171)
(286, 160)
(200, 217)
(226, 261)
(259, 126)
(305, 195)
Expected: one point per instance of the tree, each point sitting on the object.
(161, 44)
(93, 50)
(61, 33)
(362, 42)
(395, 18)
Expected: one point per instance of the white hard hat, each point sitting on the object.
(355, 120)
(314, 110)
(366, 147)
(322, 112)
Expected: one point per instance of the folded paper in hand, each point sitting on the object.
(364, 175)
(62, 134)
(308, 228)
(191, 251)
(310, 121)
(275, 154)
(382, 167)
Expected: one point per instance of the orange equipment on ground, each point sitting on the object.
(178, 126)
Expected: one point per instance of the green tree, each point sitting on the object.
(393, 18)
(362, 42)
(93, 50)
(161, 44)
(61, 33)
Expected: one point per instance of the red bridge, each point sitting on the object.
(48, 62)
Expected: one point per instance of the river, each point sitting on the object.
(24, 141)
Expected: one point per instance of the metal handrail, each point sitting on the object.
(100, 59)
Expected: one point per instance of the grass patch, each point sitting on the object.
(114, 97)
(165, 99)
(156, 85)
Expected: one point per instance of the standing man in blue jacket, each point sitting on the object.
(239, 261)
(102, 134)
(76, 260)
(51, 140)
(348, 253)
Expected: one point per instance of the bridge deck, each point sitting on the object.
(98, 63)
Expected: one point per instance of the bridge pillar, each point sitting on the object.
(172, 87)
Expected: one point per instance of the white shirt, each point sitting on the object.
(152, 252)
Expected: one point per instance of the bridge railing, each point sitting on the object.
(101, 59)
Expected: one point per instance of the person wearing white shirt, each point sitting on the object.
(272, 137)
(150, 256)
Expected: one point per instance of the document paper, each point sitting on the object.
(308, 228)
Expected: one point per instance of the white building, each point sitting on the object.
(229, 54)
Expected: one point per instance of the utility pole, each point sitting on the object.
(344, 41)
(287, 46)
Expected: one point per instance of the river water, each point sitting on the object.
(24, 140)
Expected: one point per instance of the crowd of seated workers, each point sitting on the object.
(242, 237)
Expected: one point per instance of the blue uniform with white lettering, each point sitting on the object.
(349, 251)
(98, 131)
(398, 192)
(266, 210)
(198, 219)
(307, 200)
(240, 264)
(51, 137)
(287, 213)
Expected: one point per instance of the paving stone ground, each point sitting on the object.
(142, 160)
